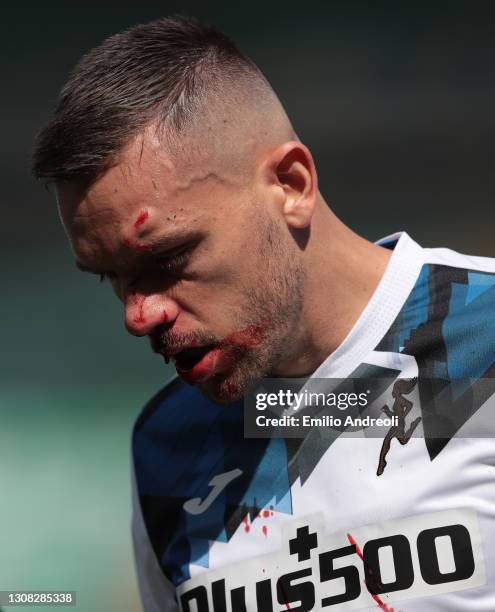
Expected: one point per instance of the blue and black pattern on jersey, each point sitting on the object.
(180, 443)
(448, 325)
(182, 440)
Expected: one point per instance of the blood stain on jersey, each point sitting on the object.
(369, 581)
(285, 598)
(266, 514)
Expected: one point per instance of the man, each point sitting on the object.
(180, 178)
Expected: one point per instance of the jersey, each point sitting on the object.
(225, 523)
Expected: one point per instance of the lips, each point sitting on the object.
(195, 364)
(198, 364)
(188, 358)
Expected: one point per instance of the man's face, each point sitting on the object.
(201, 259)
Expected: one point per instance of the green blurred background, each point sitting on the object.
(396, 101)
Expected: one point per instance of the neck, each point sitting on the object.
(343, 271)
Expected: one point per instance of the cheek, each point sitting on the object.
(210, 304)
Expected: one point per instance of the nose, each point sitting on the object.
(145, 312)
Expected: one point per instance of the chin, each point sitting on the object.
(229, 388)
(224, 391)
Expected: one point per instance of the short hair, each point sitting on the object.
(159, 71)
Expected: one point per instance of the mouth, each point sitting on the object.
(196, 365)
(186, 359)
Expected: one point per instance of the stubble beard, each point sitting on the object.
(274, 304)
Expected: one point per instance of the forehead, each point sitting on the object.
(144, 176)
(143, 192)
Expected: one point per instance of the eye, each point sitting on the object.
(174, 262)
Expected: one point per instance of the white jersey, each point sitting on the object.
(223, 523)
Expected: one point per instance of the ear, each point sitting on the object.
(292, 167)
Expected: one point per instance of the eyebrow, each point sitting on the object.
(170, 242)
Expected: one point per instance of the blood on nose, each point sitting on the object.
(135, 318)
(145, 312)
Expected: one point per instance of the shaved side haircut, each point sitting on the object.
(185, 78)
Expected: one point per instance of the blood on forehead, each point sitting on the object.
(141, 219)
(138, 223)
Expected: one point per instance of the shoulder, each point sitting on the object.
(172, 394)
(465, 283)
(448, 320)
(171, 426)
(447, 257)
(169, 404)
(452, 313)
(450, 282)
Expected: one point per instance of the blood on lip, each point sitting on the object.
(180, 357)
(240, 340)
(249, 337)
(201, 370)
